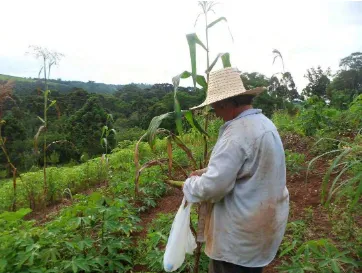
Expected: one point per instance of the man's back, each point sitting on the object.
(249, 215)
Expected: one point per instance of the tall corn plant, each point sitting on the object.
(49, 59)
(198, 80)
(344, 175)
(154, 127)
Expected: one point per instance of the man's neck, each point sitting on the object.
(241, 109)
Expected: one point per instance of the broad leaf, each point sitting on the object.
(154, 125)
(104, 142)
(192, 40)
(193, 122)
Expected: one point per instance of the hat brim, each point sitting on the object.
(255, 92)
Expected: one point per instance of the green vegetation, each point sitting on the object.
(78, 160)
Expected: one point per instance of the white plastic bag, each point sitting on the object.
(181, 239)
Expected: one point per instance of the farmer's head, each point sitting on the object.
(227, 95)
(230, 108)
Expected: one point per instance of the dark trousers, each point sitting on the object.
(224, 267)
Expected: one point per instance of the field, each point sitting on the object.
(93, 221)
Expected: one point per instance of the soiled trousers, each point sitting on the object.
(224, 267)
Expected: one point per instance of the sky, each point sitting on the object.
(120, 42)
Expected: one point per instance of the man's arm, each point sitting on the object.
(220, 177)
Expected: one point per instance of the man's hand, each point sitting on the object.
(198, 172)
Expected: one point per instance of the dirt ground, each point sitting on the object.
(303, 194)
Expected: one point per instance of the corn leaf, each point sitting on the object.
(277, 54)
(216, 21)
(225, 57)
(41, 128)
(193, 122)
(154, 125)
(104, 130)
(192, 40)
(226, 60)
(51, 104)
(186, 74)
(176, 103)
(42, 120)
(104, 142)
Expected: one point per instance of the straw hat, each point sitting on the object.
(226, 83)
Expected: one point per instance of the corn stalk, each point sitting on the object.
(153, 130)
(48, 58)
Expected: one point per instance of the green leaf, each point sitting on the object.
(335, 266)
(41, 128)
(154, 125)
(192, 40)
(201, 81)
(42, 120)
(177, 107)
(104, 130)
(51, 104)
(14, 216)
(113, 131)
(226, 60)
(104, 142)
(216, 21)
(193, 122)
(46, 93)
(225, 57)
(186, 74)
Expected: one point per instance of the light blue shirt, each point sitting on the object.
(245, 185)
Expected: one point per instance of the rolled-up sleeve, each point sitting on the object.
(219, 179)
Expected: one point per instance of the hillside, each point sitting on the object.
(25, 85)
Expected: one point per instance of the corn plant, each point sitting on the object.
(106, 133)
(154, 127)
(49, 58)
(198, 80)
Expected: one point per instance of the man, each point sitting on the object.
(245, 181)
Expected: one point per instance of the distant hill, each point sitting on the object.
(25, 85)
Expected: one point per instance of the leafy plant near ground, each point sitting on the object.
(295, 162)
(86, 237)
(319, 256)
(348, 166)
(151, 249)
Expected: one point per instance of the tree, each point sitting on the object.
(318, 82)
(84, 127)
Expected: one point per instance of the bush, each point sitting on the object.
(295, 162)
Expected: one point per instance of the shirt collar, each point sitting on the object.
(242, 114)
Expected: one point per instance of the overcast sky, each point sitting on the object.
(144, 41)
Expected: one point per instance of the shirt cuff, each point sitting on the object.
(187, 190)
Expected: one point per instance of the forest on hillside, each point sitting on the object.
(80, 113)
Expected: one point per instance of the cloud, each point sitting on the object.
(144, 41)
